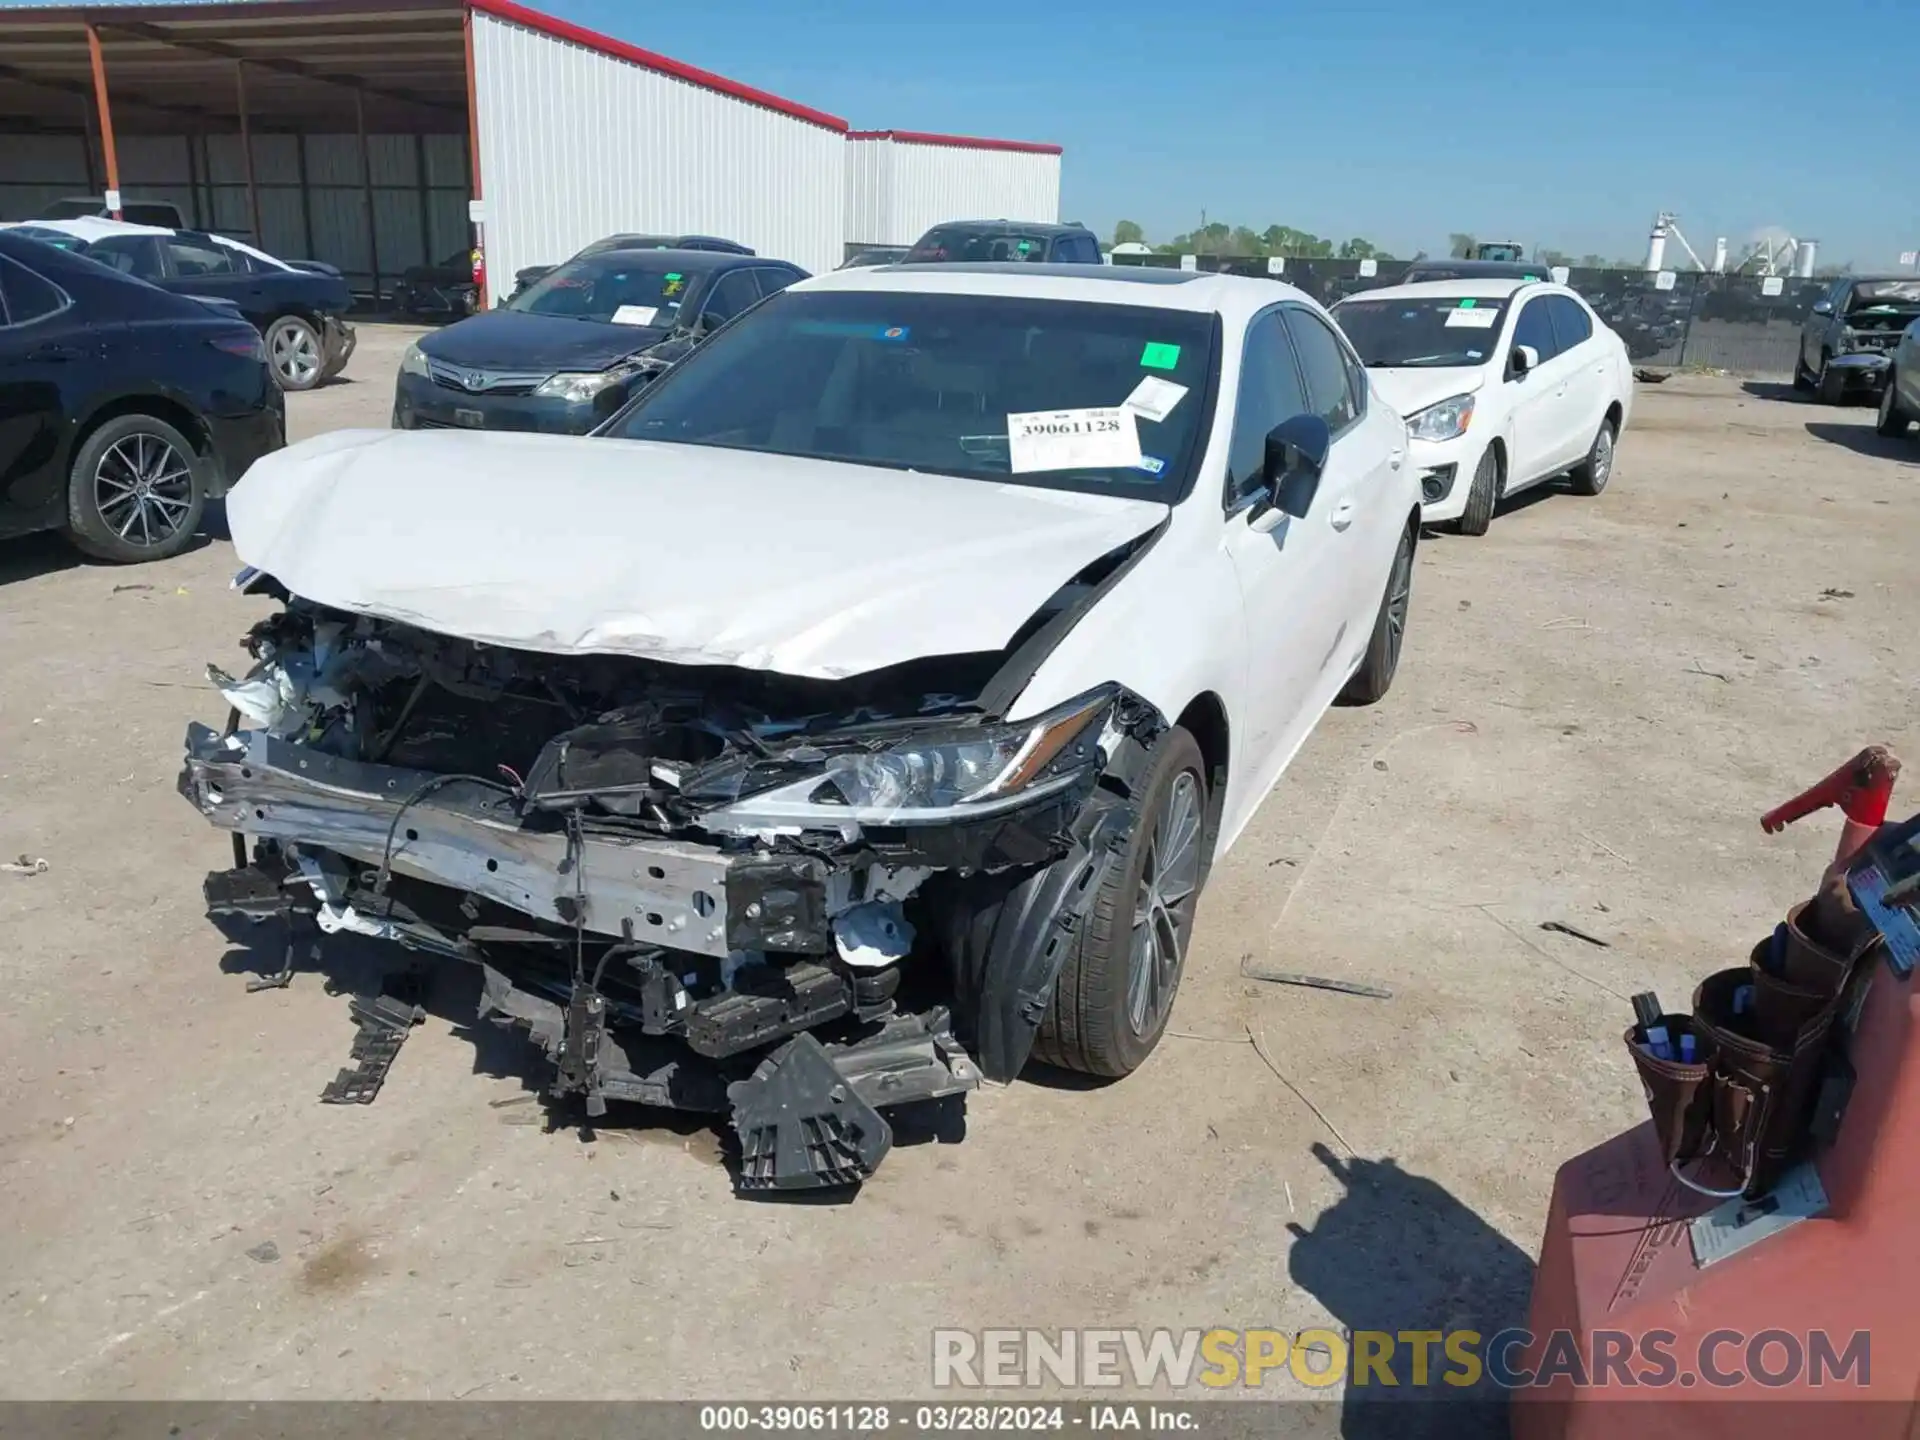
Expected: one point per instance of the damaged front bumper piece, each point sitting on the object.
(746, 961)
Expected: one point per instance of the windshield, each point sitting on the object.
(59, 239)
(1422, 332)
(1105, 399)
(1885, 294)
(613, 289)
(71, 210)
(976, 246)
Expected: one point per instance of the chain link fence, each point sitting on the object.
(1741, 323)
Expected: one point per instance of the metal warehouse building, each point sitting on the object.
(901, 183)
(380, 136)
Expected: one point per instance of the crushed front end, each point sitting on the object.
(696, 887)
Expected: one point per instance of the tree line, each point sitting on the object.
(1219, 238)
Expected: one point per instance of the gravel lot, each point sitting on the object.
(1597, 701)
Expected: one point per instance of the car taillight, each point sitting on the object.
(244, 343)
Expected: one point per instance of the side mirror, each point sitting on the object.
(1823, 307)
(1525, 360)
(1296, 455)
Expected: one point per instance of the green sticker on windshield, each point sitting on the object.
(1157, 356)
(1466, 304)
(1025, 246)
(673, 274)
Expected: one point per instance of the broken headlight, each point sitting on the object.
(579, 388)
(937, 776)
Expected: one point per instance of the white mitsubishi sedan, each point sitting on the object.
(1504, 384)
(900, 660)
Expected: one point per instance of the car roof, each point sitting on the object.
(91, 228)
(1194, 290)
(1518, 268)
(1029, 227)
(1492, 287)
(685, 259)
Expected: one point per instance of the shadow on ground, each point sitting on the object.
(1864, 441)
(1399, 1253)
(1774, 390)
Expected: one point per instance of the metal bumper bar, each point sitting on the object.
(460, 834)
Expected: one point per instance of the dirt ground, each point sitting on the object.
(1597, 701)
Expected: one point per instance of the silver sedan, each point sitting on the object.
(1900, 396)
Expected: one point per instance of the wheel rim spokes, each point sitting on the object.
(1163, 904)
(143, 490)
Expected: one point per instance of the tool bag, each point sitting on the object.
(1764, 1039)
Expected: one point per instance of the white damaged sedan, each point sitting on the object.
(857, 715)
(1504, 384)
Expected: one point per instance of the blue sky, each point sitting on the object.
(1390, 119)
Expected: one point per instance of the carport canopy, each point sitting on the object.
(242, 68)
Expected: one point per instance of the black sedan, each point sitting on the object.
(565, 354)
(626, 241)
(299, 309)
(123, 409)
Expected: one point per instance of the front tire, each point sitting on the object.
(1374, 678)
(294, 352)
(136, 491)
(1802, 377)
(1115, 992)
(1893, 421)
(1478, 515)
(1832, 384)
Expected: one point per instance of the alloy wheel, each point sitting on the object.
(143, 489)
(1602, 462)
(1399, 596)
(1163, 906)
(296, 354)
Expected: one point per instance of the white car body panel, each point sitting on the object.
(827, 569)
(1545, 421)
(830, 569)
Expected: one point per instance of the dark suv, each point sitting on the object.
(1850, 333)
(976, 241)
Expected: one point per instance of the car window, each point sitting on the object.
(1271, 390)
(136, 255)
(1064, 394)
(1077, 250)
(974, 246)
(732, 293)
(25, 296)
(192, 258)
(1571, 326)
(773, 281)
(611, 288)
(1535, 328)
(1420, 331)
(164, 216)
(1323, 361)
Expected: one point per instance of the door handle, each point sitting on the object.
(1342, 515)
(1394, 457)
(54, 350)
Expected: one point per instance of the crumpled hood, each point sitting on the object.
(1412, 389)
(688, 554)
(510, 340)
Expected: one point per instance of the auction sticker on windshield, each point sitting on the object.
(635, 314)
(1100, 439)
(1154, 398)
(1472, 319)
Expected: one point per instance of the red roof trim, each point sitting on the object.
(620, 50)
(959, 142)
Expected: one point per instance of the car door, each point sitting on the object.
(1288, 569)
(44, 357)
(197, 265)
(135, 255)
(1819, 322)
(1538, 444)
(1589, 385)
(1365, 459)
